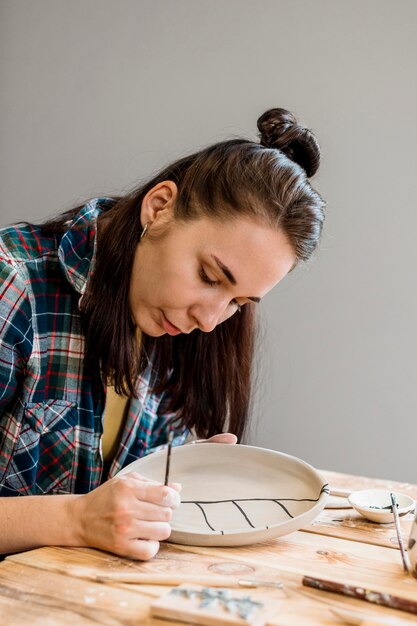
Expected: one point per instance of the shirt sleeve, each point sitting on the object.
(16, 334)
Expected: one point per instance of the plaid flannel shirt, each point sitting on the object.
(51, 406)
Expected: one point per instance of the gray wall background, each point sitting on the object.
(98, 94)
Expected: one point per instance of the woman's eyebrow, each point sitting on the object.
(226, 271)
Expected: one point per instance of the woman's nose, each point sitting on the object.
(207, 321)
(208, 316)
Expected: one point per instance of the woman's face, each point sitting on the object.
(197, 274)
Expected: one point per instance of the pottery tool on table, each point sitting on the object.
(170, 438)
(170, 579)
(211, 607)
(174, 580)
(377, 505)
(231, 582)
(412, 546)
(338, 499)
(354, 591)
(394, 507)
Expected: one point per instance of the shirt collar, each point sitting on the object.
(77, 249)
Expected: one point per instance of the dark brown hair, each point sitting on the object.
(208, 375)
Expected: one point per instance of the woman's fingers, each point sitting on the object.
(149, 491)
(136, 476)
(140, 549)
(223, 438)
(141, 529)
(220, 438)
(152, 512)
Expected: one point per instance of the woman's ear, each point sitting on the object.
(159, 203)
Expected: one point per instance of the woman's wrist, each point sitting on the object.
(62, 519)
(72, 511)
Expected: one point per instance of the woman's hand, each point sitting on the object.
(128, 515)
(220, 438)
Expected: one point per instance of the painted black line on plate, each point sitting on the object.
(284, 508)
(205, 517)
(243, 513)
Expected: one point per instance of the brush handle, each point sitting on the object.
(342, 493)
(399, 534)
(353, 591)
(169, 579)
(140, 578)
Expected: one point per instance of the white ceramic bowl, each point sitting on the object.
(375, 504)
(236, 495)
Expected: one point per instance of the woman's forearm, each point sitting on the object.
(128, 515)
(28, 522)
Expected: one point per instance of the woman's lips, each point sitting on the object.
(169, 328)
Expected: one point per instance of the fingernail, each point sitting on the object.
(172, 499)
(176, 486)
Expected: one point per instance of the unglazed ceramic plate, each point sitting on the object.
(235, 495)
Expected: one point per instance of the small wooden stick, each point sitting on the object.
(341, 493)
(137, 578)
(353, 591)
(170, 438)
(399, 535)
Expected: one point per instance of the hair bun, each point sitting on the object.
(279, 129)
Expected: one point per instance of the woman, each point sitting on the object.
(133, 316)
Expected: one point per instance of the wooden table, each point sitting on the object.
(339, 545)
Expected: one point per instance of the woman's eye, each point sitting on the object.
(237, 305)
(206, 279)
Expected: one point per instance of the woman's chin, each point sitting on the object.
(149, 327)
(152, 330)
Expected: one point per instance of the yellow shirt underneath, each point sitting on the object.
(113, 421)
(114, 418)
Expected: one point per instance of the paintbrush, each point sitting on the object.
(361, 593)
(170, 438)
(399, 535)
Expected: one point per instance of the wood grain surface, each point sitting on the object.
(47, 586)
